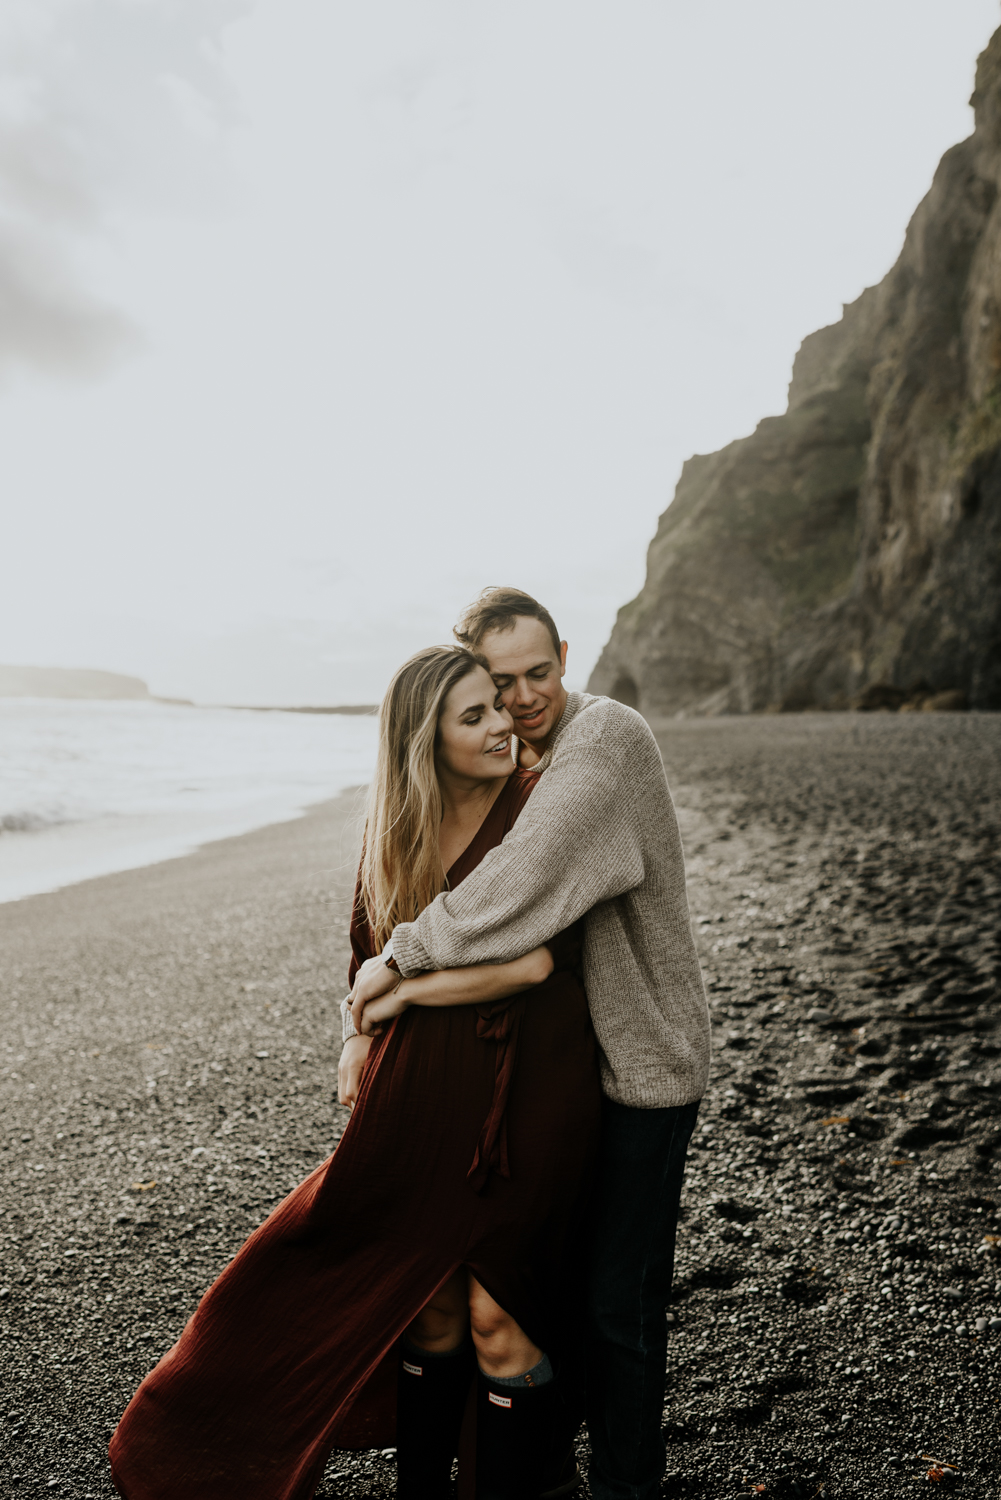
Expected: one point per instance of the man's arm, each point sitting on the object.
(477, 984)
(577, 842)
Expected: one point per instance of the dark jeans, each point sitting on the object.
(635, 1216)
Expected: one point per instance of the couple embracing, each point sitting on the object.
(486, 1258)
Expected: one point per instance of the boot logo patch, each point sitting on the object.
(498, 1400)
(418, 1370)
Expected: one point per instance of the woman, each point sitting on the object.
(449, 1205)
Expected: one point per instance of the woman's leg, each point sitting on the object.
(436, 1371)
(501, 1347)
(440, 1326)
(524, 1432)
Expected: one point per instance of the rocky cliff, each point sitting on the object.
(850, 550)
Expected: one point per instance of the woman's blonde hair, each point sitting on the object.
(401, 866)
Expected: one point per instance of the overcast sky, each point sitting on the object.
(317, 317)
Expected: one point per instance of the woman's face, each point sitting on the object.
(474, 737)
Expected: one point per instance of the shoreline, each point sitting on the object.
(90, 788)
(120, 844)
(225, 846)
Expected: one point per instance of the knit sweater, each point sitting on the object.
(597, 839)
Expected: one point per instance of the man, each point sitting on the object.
(598, 839)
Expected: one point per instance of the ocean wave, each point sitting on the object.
(119, 784)
(31, 822)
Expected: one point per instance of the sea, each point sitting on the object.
(90, 787)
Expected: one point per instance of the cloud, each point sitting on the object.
(47, 319)
(108, 108)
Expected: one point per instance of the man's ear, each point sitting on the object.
(563, 658)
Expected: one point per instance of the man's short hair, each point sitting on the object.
(497, 609)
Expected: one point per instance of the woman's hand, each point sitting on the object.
(354, 1056)
(372, 981)
(376, 1013)
(374, 978)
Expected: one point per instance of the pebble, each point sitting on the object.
(981, 1325)
(994, 1324)
(818, 1013)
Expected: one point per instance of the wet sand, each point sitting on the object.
(178, 1026)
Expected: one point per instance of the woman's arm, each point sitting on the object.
(351, 1068)
(474, 985)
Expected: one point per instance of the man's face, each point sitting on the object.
(528, 673)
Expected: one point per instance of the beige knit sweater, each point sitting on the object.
(597, 838)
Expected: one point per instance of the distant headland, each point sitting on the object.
(280, 708)
(68, 682)
(90, 683)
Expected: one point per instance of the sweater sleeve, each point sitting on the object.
(578, 842)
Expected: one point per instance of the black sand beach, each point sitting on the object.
(171, 1037)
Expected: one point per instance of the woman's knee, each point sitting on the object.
(488, 1321)
(441, 1322)
(502, 1348)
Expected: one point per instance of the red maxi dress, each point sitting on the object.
(470, 1144)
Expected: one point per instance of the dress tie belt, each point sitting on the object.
(498, 1023)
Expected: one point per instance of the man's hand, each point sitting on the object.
(372, 980)
(354, 1056)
